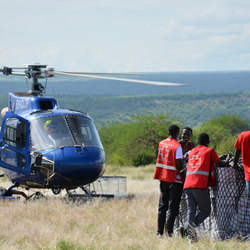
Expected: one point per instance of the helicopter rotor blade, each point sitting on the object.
(115, 78)
(91, 73)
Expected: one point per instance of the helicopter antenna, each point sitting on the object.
(45, 84)
(53, 91)
(27, 84)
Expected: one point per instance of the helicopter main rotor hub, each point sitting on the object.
(35, 71)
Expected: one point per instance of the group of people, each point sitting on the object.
(194, 181)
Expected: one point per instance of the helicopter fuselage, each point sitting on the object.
(43, 146)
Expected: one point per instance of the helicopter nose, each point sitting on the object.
(80, 165)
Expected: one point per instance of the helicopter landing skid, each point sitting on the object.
(84, 193)
(104, 186)
(36, 196)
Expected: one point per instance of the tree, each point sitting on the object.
(223, 131)
(136, 142)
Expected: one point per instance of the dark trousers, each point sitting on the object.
(169, 202)
(197, 198)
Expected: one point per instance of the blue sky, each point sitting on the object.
(126, 35)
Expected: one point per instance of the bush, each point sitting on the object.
(142, 159)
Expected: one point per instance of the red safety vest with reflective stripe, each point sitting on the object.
(199, 162)
(166, 163)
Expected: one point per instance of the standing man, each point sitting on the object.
(243, 145)
(186, 144)
(200, 175)
(168, 161)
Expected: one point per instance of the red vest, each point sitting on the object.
(199, 162)
(166, 163)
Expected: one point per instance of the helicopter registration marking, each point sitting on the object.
(18, 104)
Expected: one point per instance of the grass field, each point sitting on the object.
(96, 224)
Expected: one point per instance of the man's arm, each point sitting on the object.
(222, 163)
(179, 158)
(234, 163)
(179, 163)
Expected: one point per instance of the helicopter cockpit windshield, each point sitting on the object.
(63, 131)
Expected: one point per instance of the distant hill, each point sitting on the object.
(208, 94)
(199, 82)
(194, 109)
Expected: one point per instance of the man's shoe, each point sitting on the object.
(182, 231)
(168, 235)
(159, 236)
(192, 237)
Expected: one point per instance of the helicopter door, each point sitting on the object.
(15, 148)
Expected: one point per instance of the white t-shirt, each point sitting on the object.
(179, 154)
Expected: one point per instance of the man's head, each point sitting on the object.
(186, 134)
(50, 126)
(203, 139)
(174, 131)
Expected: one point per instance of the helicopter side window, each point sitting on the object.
(13, 158)
(14, 133)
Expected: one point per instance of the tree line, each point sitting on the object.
(135, 143)
(193, 109)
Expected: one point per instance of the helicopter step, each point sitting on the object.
(105, 187)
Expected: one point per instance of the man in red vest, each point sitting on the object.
(200, 175)
(243, 145)
(168, 161)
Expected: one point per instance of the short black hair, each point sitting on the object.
(203, 139)
(173, 130)
(188, 128)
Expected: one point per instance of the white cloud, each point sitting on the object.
(112, 35)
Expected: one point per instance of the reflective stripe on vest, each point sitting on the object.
(165, 166)
(199, 172)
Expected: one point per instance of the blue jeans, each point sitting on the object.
(248, 187)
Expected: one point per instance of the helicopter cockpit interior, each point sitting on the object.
(63, 131)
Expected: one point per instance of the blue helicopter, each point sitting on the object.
(45, 147)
